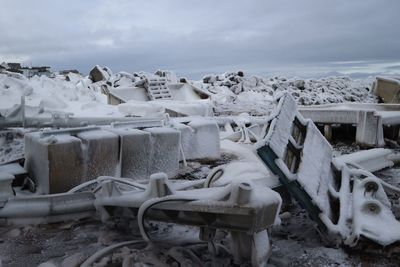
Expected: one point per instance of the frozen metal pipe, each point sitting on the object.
(18, 118)
(140, 123)
(71, 122)
(222, 121)
(47, 208)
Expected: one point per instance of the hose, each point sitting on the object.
(148, 204)
(214, 175)
(188, 184)
(105, 178)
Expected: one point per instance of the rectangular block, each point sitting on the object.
(54, 162)
(100, 153)
(135, 152)
(165, 144)
(369, 129)
(186, 140)
(205, 141)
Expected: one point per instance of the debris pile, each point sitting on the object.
(79, 96)
(347, 202)
(227, 179)
(235, 91)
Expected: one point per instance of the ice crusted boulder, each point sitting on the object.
(300, 84)
(169, 75)
(99, 74)
(304, 91)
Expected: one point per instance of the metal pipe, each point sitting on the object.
(41, 208)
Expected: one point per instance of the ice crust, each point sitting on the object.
(230, 93)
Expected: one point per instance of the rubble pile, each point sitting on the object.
(236, 90)
(227, 177)
(231, 92)
(135, 79)
(76, 94)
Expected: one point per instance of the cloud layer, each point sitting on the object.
(196, 37)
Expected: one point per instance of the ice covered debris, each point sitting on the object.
(58, 160)
(387, 89)
(232, 88)
(80, 96)
(347, 202)
(100, 74)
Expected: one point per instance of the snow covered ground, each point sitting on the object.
(294, 243)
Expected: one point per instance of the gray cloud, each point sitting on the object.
(196, 37)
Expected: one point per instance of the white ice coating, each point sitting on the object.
(228, 91)
(80, 96)
(364, 211)
(314, 172)
(245, 168)
(234, 92)
(199, 139)
(135, 152)
(280, 127)
(371, 160)
(372, 215)
(165, 144)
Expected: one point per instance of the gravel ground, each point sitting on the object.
(294, 243)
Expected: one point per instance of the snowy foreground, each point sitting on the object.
(295, 242)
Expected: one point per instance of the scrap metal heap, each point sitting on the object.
(70, 160)
(347, 202)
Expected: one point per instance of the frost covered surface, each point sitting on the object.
(79, 96)
(246, 167)
(233, 91)
(314, 172)
(296, 243)
(280, 128)
(372, 160)
(230, 92)
(372, 216)
(11, 145)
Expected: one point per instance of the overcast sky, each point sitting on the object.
(198, 37)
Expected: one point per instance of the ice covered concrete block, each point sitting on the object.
(98, 74)
(165, 144)
(135, 152)
(369, 129)
(199, 139)
(186, 140)
(205, 141)
(55, 162)
(100, 153)
(371, 160)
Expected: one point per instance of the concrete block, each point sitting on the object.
(187, 134)
(205, 141)
(199, 139)
(369, 129)
(165, 143)
(135, 152)
(98, 74)
(57, 162)
(54, 162)
(100, 153)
